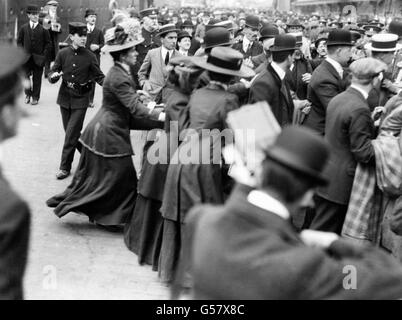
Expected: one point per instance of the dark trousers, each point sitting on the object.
(329, 216)
(32, 69)
(73, 120)
(92, 93)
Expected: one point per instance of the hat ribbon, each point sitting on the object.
(225, 64)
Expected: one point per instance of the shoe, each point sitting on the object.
(34, 102)
(27, 99)
(62, 174)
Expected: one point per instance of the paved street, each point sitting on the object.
(69, 258)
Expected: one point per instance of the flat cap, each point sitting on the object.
(367, 68)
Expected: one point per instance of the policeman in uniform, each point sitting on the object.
(78, 67)
(149, 19)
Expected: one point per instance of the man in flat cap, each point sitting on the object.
(36, 42)
(95, 42)
(14, 212)
(248, 249)
(349, 129)
(78, 68)
(149, 20)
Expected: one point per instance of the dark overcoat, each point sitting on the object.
(269, 87)
(96, 37)
(36, 43)
(349, 130)
(255, 49)
(14, 238)
(325, 84)
(240, 251)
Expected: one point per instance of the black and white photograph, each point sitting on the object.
(210, 150)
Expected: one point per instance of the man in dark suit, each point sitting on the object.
(349, 130)
(14, 212)
(250, 47)
(329, 79)
(78, 67)
(36, 42)
(247, 249)
(271, 86)
(95, 42)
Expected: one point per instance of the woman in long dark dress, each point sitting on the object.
(194, 183)
(143, 233)
(104, 186)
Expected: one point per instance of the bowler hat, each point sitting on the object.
(217, 36)
(212, 24)
(284, 42)
(372, 29)
(253, 22)
(295, 24)
(77, 27)
(225, 24)
(317, 42)
(299, 38)
(149, 12)
(90, 12)
(224, 60)
(396, 27)
(12, 59)
(187, 24)
(32, 9)
(384, 42)
(340, 37)
(171, 27)
(183, 34)
(268, 31)
(300, 149)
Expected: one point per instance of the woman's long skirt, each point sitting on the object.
(103, 188)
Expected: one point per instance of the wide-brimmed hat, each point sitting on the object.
(300, 149)
(32, 9)
(372, 29)
(384, 42)
(340, 37)
(253, 22)
(225, 24)
(217, 36)
(124, 36)
(12, 59)
(90, 12)
(284, 42)
(77, 27)
(268, 32)
(212, 24)
(224, 60)
(171, 27)
(395, 27)
(183, 34)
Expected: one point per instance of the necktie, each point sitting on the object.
(167, 58)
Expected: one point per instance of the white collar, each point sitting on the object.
(90, 28)
(336, 65)
(266, 202)
(281, 73)
(33, 25)
(364, 93)
(246, 43)
(164, 51)
(184, 53)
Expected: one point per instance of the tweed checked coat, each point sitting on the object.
(153, 73)
(240, 251)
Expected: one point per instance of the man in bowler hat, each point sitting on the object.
(329, 79)
(248, 249)
(78, 68)
(250, 47)
(271, 86)
(14, 212)
(36, 42)
(95, 42)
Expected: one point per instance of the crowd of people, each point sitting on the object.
(324, 195)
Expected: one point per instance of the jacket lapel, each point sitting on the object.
(332, 70)
(281, 84)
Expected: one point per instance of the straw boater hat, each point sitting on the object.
(123, 36)
(384, 42)
(225, 61)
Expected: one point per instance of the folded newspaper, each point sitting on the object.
(255, 128)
